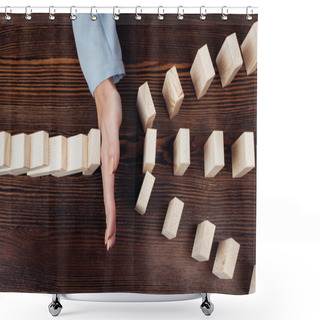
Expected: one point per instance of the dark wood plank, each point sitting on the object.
(52, 230)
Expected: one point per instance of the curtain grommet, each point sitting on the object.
(6, 14)
(160, 15)
(138, 16)
(203, 13)
(224, 13)
(249, 14)
(116, 13)
(52, 11)
(93, 16)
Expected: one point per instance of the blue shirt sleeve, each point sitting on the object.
(98, 49)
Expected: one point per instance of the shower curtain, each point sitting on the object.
(52, 229)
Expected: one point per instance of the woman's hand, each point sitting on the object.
(109, 112)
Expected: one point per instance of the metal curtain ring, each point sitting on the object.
(116, 15)
(52, 11)
(160, 15)
(138, 17)
(6, 15)
(203, 13)
(180, 13)
(72, 15)
(224, 13)
(249, 15)
(93, 16)
(28, 14)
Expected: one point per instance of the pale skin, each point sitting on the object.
(109, 112)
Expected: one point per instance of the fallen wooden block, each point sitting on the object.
(243, 159)
(39, 149)
(172, 92)
(20, 155)
(57, 158)
(226, 259)
(149, 150)
(213, 154)
(5, 149)
(94, 145)
(252, 288)
(145, 193)
(172, 220)
(77, 155)
(229, 59)
(249, 49)
(146, 109)
(181, 152)
(203, 241)
(202, 72)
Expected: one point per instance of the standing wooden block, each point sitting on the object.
(229, 59)
(172, 220)
(145, 193)
(203, 241)
(57, 158)
(20, 155)
(243, 159)
(172, 92)
(94, 145)
(226, 259)
(146, 109)
(252, 288)
(77, 155)
(5, 149)
(39, 149)
(181, 152)
(249, 49)
(202, 72)
(213, 154)
(149, 150)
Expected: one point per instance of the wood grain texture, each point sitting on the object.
(52, 230)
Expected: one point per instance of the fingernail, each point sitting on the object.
(108, 245)
(111, 163)
(106, 236)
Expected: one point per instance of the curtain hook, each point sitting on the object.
(138, 17)
(72, 15)
(52, 11)
(160, 15)
(180, 13)
(28, 15)
(116, 15)
(93, 16)
(6, 15)
(224, 13)
(203, 13)
(249, 15)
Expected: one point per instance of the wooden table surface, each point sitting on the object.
(52, 229)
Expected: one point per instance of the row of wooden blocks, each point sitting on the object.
(229, 61)
(37, 154)
(243, 158)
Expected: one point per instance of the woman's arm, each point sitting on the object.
(109, 111)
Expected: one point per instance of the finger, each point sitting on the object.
(113, 148)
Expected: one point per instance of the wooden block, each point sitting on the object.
(249, 49)
(202, 72)
(172, 220)
(5, 149)
(146, 109)
(94, 145)
(213, 154)
(229, 59)
(181, 152)
(243, 159)
(57, 158)
(203, 241)
(39, 149)
(77, 155)
(252, 288)
(145, 192)
(149, 150)
(226, 259)
(20, 155)
(172, 92)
